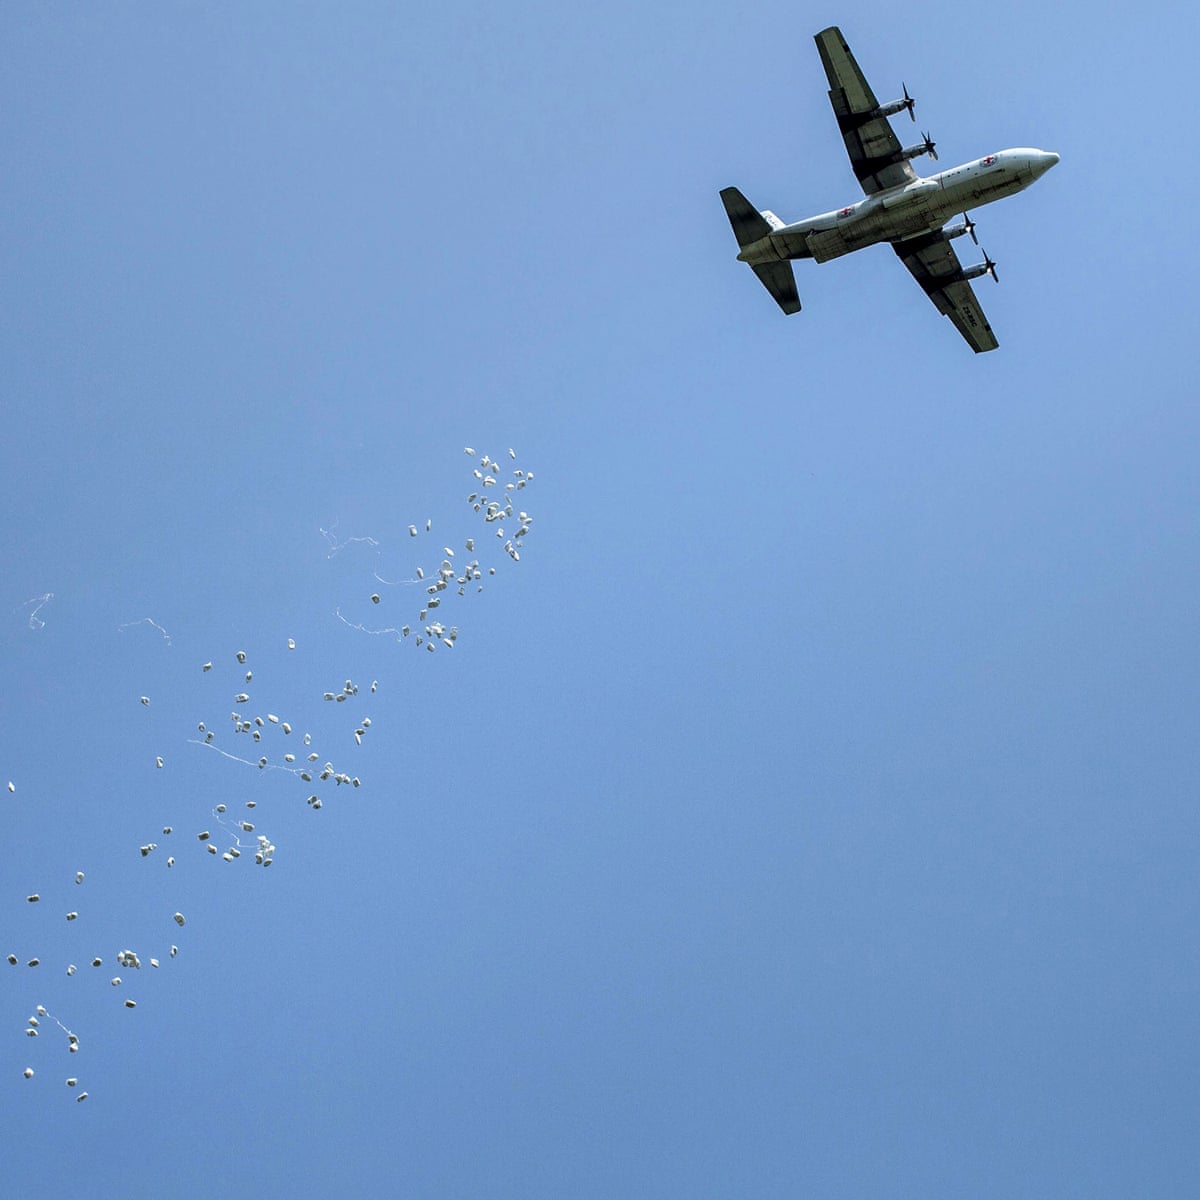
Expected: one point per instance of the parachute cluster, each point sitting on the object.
(270, 741)
(126, 959)
(494, 503)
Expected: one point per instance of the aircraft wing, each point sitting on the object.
(935, 266)
(873, 148)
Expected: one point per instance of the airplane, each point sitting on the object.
(901, 208)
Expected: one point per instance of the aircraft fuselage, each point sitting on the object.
(908, 211)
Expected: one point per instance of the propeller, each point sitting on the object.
(990, 267)
(929, 145)
(969, 225)
(909, 103)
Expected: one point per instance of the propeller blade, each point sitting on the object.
(991, 267)
(930, 145)
(909, 103)
(970, 227)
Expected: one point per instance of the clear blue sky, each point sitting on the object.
(811, 811)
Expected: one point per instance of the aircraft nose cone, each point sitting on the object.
(1045, 160)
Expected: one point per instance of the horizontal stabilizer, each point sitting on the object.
(778, 279)
(749, 225)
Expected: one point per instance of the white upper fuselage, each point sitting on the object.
(902, 212)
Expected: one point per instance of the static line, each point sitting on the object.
(39, 602)
(269, 766)
(234, 832)
(299, 771)
(146, 621)
(337, 612)
(68, 1032)
(396, 582)
(335, 545)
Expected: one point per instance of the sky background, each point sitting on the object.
(810, 812)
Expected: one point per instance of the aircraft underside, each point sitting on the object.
(914, 210)
(901, 208)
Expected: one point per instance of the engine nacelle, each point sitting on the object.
(925, 147)
(891, 108)
(987, 267)
(895, 106)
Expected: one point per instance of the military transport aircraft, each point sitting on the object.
(900, 208)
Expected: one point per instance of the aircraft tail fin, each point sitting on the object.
(750, 226)
(779, 279)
